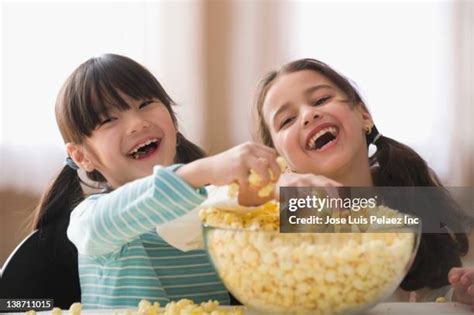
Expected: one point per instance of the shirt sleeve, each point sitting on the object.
(103, 223)
(185, 233)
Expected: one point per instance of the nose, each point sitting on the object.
(310, 114)
(136, 122)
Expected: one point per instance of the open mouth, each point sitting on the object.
(145, 149)
(322, 138)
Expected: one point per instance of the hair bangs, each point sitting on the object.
(100, 86)
(133, 80)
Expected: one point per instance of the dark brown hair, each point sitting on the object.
(394, 164)
(84, 98)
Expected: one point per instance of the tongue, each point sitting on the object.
(146, 151)
(323, 140)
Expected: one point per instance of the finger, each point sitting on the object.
(260, 166)
(455, 274)
(267, 154)
(470, 291)
(453, 279)
(455, 271)
(250, 198)
(275, 169)
(242, 179)
(467, 278)
(264, 148)
(264, 152)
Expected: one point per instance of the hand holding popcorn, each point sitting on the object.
(256, 181)
(234, 165)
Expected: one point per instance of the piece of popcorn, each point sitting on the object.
(266, 191)
(321, 273)
(441, 299)
(56, 311)
(75, 308)
(184, 307)
(348, 274)
(255, 181)
(233, 190)
(145, 307)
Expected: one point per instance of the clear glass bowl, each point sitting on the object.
(311, 273)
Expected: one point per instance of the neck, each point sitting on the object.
(357, 174)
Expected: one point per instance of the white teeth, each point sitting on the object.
(135, 150)
(312, 141)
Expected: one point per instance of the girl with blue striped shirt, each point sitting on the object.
(120, 130)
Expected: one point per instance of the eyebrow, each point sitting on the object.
(308, 91)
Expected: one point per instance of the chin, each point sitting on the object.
(143, 172)
(329, 167)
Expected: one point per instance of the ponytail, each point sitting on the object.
(59, 199)
(65, 193)
(186, 151)
(398, 165)
(395, 164)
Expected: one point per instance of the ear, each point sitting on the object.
(364, 115)
(79, 156)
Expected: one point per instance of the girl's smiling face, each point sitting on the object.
(128, 143)
(313, 125)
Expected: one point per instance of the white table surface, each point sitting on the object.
(381, 309)
(419, 309)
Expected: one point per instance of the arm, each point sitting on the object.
(103, 223)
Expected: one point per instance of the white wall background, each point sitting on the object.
(42, 43)
(400, 54)
(403, 55)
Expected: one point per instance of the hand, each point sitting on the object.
(305, 180)
(233, 165)
(462, 280)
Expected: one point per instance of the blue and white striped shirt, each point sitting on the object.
(121, 257)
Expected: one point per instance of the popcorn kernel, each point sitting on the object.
(321, 273)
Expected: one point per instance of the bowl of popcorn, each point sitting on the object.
(305, 273)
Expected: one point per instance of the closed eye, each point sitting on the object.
(106, 121)
(321, 101)
(145, 103)
(286, 122)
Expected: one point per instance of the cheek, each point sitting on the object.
(286, 143)
(354, 129)
(163, 117)
(347, 117)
